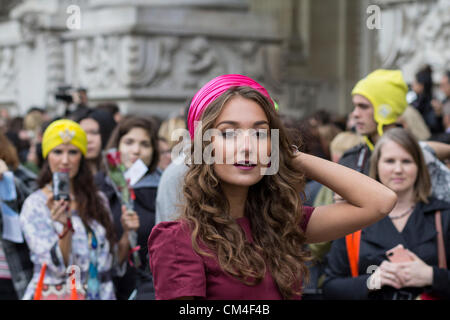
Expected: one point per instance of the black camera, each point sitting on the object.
(64, 93)
(61, 186)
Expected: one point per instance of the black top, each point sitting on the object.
(418, 235)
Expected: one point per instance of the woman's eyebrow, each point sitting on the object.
(235, 123)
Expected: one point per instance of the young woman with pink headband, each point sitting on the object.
(241, 232)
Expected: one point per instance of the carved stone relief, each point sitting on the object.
(144, 60)
(417, 33)
(133, 61)
(98, 61)
(29, 26)
(260, 61)
(7, 70)
(154, 62)
(253, 59)
(203, 62)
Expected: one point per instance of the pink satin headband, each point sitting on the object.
(213, 89)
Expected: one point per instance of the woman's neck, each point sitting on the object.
(405, 200)
(92, 163)
(237, 197)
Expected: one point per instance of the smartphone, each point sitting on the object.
(398, 254)
(61, 186)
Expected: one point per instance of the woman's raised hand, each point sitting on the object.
(59, 209)
(129, 220)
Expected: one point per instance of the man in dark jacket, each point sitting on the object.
(379, 100)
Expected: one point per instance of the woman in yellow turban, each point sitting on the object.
(76, 234)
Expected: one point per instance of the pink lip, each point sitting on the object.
(398, 180)
(244, 167)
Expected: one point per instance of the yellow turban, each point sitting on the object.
(386, 90)
(63, 131)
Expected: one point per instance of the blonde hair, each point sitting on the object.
(344, 141)
(33, 121)
(412, 120)
(168, 126)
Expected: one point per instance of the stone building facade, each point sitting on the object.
(150, 56)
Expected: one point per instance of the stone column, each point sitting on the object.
(31, 57)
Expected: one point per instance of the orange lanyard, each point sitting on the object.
(352, 241)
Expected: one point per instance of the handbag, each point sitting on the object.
(70, 291)
(441, 253)
(61, 291)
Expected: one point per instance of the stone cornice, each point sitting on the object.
(392, 3)
(173, 22)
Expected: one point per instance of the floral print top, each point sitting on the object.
(439, 173)
(40, 233)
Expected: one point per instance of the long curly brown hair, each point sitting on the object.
(273, 206)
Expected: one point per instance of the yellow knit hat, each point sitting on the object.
(63, 131)
(386, 90)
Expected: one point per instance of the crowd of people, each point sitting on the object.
(348, 207)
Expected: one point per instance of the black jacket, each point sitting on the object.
(419, 236)
(432, 120)
(357, 158)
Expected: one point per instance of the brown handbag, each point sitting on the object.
(440, 241)
(442, 259)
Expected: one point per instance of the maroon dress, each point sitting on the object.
(178, 271)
